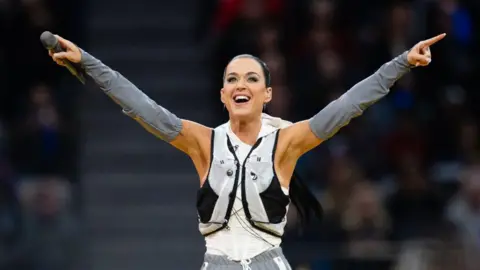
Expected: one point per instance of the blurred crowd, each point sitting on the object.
(401, 184)
(37, 141)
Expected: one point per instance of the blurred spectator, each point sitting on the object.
(10, 219)
(366, 222)
(367, 227)
(415, 207)
(403, 142)
(343, 175)
(280, 105)
(467, 148)
(41, 133)
(464, 211)
(51, 236)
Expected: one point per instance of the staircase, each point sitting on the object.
(139, 192)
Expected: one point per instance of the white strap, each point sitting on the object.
(246, 264)
(279, 262)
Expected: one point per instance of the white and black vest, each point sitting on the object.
(264, 202)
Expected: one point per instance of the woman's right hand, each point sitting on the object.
(72, 52)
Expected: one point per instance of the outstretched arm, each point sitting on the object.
(304, 136)
(184, 135)
(134, 102)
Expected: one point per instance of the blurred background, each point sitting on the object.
(82, 186)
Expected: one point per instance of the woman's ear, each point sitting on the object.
(222, 98)
(268, 95)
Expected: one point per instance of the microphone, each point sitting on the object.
(50, 42)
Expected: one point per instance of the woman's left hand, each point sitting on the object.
(420, 54)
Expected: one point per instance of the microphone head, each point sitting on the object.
(48, 40)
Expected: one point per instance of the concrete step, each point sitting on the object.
(143, 52)
(170, 67)
(131, 19)
(147, 245)
(169, 253)
(107, 188)
(167, 197)
(195, 105)
(141, 213)
(137, 143)
(163, 94)
(145, 30)
(98, 109)
(148, 226)
(95, 102)
(160, 260)
(172, 162)
(132, 190)
(114, 117)
(154, 227)
(168, 85)
(109, 156)
(108, 181)
(177, 101)
(180, 10)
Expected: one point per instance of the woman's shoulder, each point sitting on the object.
(221, 128)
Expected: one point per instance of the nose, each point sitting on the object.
(241, 85)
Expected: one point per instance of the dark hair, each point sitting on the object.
(304, 201)
(265, 69)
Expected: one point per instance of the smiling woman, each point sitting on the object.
(246, 166)
(247, 84)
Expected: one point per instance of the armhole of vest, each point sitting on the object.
(274, 151)
(212, 143)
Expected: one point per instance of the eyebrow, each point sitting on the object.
(248, 73)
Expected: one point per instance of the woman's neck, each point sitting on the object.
(246, 131)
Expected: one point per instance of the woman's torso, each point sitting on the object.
(240, 240)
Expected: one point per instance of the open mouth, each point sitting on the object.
(241, 99)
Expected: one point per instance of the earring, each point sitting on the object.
(264, 106)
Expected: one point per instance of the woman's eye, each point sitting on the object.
(252, 79)
(231, 80)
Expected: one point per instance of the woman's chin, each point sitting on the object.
(242, 112)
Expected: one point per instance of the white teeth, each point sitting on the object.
(242, 98)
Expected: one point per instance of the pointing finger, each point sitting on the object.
(431, 41)
(426, 51)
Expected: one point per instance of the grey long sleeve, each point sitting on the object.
(356, 100)
(133, 101)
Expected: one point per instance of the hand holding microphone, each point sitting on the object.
(63, 52)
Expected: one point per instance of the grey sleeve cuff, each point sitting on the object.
(356, 100)
(133, 101)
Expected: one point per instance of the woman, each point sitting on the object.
(245, 166)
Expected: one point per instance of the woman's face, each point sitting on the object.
(244, 91)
